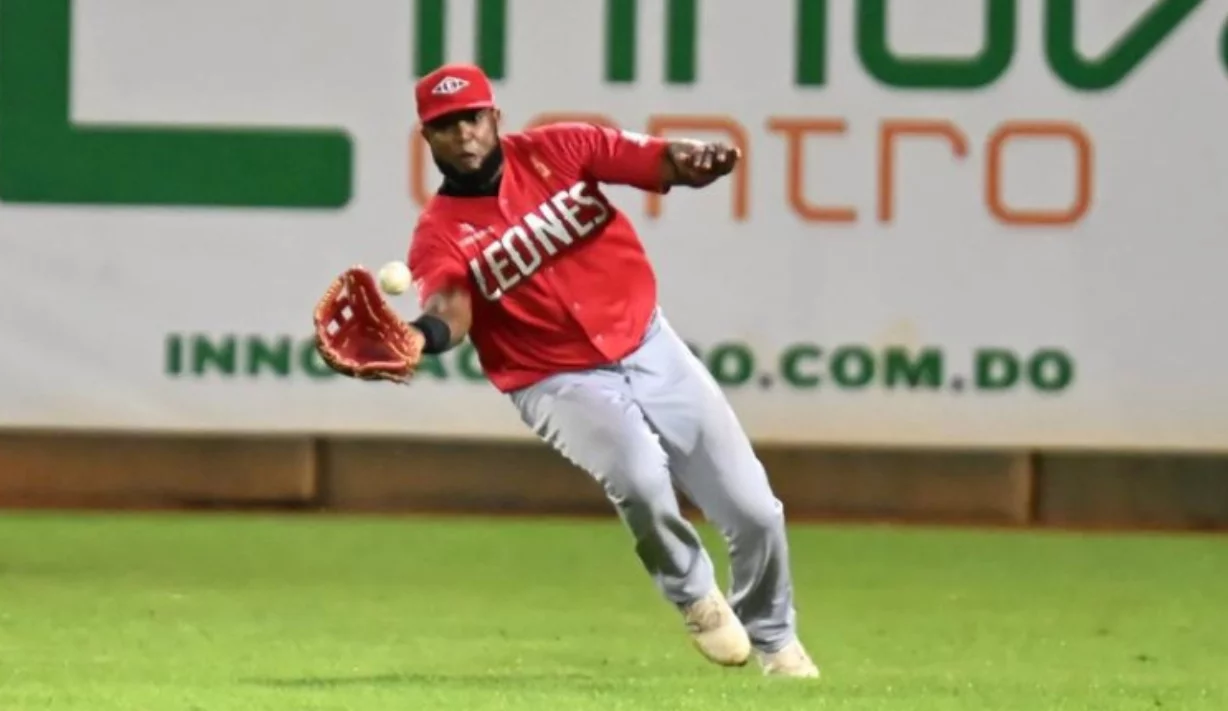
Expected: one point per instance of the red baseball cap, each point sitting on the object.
(453, 87)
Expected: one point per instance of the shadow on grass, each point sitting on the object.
(501, 680)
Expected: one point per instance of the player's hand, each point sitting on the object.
(359, 335)
(700, 164)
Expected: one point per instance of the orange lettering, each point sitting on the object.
(1046, 129)
(795, 130)
(888, 133)
(659, 124)
(418, 151)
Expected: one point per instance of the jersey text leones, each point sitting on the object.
(540, 236)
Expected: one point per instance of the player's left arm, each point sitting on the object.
(650, 163)
(443, 292)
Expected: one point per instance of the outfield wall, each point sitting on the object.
(393, 475)
(961, 226)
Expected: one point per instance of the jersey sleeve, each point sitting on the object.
(434, 265)
(613, 156)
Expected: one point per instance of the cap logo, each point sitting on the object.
(449, 85)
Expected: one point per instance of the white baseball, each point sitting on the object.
(394, 278)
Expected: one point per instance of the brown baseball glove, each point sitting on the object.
(360, 336)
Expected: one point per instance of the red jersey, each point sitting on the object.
(558, 276)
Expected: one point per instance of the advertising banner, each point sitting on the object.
(958, 223)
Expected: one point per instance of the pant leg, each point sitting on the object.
(591, 420)
(715, 466)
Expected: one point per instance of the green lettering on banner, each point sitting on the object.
(274, 357)
(731, 364)
(468, 364)
(681, 29)
(996, 369)
(1223, 47)
(1123, 57)
(810, 43)
(430, 36)
(283, 356)
(923, 369)
(312, 363)
(46, 158)
(1050, 370)
(852, 366)
(492, 37)
(681, 40)
(945, 73)
(430, 32)
(620, 40)
(208, 355)
(792, 363)
(432, 365)
(174, 354)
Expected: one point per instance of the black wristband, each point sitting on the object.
(438, 335)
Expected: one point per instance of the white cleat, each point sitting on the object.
(716, 631)
(790, 661)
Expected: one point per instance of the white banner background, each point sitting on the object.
(1134, 292)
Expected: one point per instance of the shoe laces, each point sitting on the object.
(795, 654)
(703, 615)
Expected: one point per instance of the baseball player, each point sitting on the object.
(521, 252)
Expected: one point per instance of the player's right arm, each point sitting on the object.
(650, 163)
(443, 292)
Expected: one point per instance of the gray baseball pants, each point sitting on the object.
(658, 419)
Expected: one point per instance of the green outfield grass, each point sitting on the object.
(203, 613)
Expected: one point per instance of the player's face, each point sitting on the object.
(463, 139)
